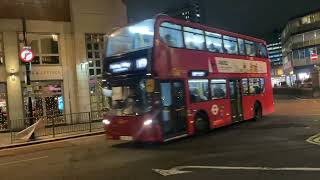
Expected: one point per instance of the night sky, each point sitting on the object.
(257, 18)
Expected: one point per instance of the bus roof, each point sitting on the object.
(163, 18)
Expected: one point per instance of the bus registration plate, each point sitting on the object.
(126, 138)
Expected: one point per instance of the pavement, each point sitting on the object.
(46, 134)
(276, 147)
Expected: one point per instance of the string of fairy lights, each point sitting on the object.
(45, 103)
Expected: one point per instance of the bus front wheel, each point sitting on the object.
(201, 123)
(257, 112)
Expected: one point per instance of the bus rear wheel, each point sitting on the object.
(201, 124)
(257, 112)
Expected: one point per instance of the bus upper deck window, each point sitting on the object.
(262, 50)
(230, 45)
(250, 48)
(194, 38)
(214, 42)
(241, 47)
(171, 34)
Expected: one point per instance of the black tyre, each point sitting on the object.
(201, 124)
(257, 112)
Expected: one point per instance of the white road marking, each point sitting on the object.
(24, 160)
(180, 169)
(314, 139)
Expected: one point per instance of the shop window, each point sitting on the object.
(230, 45)
(241, 47)
(171, 34)
(45, 47)
(1, 49)
(296, 54)
(47, 99)
(250, 48)
(194, 38)
(218, 88)
(309, 51)
(214, 42)
(94, 53)
(199, 90)
(3, 107)
(302, 53)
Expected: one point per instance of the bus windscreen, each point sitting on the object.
(131, 38)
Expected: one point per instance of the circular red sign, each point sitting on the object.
(26, 55)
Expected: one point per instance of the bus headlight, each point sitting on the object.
(106, 122)
(147, 122)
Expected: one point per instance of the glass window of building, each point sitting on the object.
(230, 45)
(3, 107)
(1, 49)
(94, 44)
(218, 88)
(250, 48)
(309, 36)
(309, 51)
(194, 38)
(306, 20)
(171, 34)
(45, 47)
(47, 99)
(241, 47)
(318, 34)
(199, 90)
(295, 54)
(302, 54)
(298, 38)
(214, 42)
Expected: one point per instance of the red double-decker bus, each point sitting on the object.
(167, 78)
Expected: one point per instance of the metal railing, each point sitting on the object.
(58, 125)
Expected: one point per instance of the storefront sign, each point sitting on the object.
(228, 65)
(314, 57)
(46, 73)
(26, 55)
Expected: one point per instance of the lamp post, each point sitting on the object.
(28, 80)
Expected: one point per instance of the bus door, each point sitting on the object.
(236, 100)
(174, 112)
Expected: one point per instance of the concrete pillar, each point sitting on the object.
(14, 90)
(69, 75)
(83, 95)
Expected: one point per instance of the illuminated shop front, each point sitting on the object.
(3, 107)
(47, 98)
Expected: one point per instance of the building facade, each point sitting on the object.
(190, 11)
(301, 47)
(275, 55)
(66, 37)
